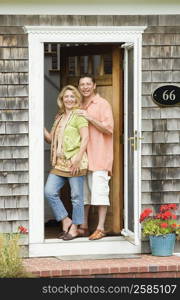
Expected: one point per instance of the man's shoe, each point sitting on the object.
(97, 235)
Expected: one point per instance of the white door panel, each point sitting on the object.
(131, 148)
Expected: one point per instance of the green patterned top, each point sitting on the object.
(72, 138)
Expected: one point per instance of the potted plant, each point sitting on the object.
(161, 229)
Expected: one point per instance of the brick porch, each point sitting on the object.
(145, 266)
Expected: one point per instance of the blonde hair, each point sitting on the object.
(75, 92)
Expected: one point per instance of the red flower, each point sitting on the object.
(173, 206)
(145, 214)
(22, 229)
(174, 225)
(159, 216)
(164, 207)
(164, 225)
(166, 215)
(168, 207)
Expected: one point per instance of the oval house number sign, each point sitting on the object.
(167, 95)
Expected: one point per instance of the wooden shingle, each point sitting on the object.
(14, 65)
(13, 152)
(16, 103)
(14, 115)
(13, 40)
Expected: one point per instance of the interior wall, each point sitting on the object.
(50, 110)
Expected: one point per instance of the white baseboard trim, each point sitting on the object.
(82, 246)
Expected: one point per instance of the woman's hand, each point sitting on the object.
(47, 136)
(57, 116)
(76, 159)
(75, 164)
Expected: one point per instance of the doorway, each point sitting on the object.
(129, 37)
(105, 62)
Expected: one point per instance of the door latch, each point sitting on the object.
(134, 140)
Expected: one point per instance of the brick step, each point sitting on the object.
(145, 266)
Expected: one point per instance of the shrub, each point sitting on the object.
(11, 264)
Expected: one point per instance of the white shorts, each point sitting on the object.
(96, 188)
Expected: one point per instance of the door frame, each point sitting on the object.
(37, 36)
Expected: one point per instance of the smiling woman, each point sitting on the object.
(68, 138)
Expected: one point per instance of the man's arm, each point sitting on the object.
(99, 125)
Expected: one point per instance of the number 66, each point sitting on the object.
(171, 96)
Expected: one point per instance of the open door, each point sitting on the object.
(105, 62)
(131, 147)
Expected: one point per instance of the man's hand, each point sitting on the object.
(83, 113)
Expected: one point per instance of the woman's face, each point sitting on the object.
(69, 100)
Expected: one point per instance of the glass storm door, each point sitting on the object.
(131, 148)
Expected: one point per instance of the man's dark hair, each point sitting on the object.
(88, 76)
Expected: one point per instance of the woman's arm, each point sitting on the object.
(47, 136)
(76, 159)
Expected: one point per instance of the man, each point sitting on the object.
(100, 154)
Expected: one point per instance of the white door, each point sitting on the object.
(131, 148)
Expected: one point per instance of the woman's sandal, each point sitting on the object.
(63, 232)
(68, 236)
(98, 234)
(83, 232)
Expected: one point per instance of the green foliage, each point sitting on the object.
(162, 223)
(11, 265)
(153, 227)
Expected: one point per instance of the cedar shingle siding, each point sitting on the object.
(160, 126)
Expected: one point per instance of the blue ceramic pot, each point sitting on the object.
(162, 245)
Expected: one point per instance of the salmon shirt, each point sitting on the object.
(100, 145)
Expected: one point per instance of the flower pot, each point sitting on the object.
(162, 245)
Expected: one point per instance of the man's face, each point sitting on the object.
(86, 87)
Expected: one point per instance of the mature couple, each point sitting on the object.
(82, 153)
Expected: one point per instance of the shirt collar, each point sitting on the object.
(93, 100)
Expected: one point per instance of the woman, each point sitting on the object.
(68, 138)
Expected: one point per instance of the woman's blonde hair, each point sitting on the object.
(75, 93)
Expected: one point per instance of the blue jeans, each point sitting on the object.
(52, 192)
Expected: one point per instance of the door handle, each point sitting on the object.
(134, 140)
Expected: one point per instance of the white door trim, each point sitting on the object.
(37, 35)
